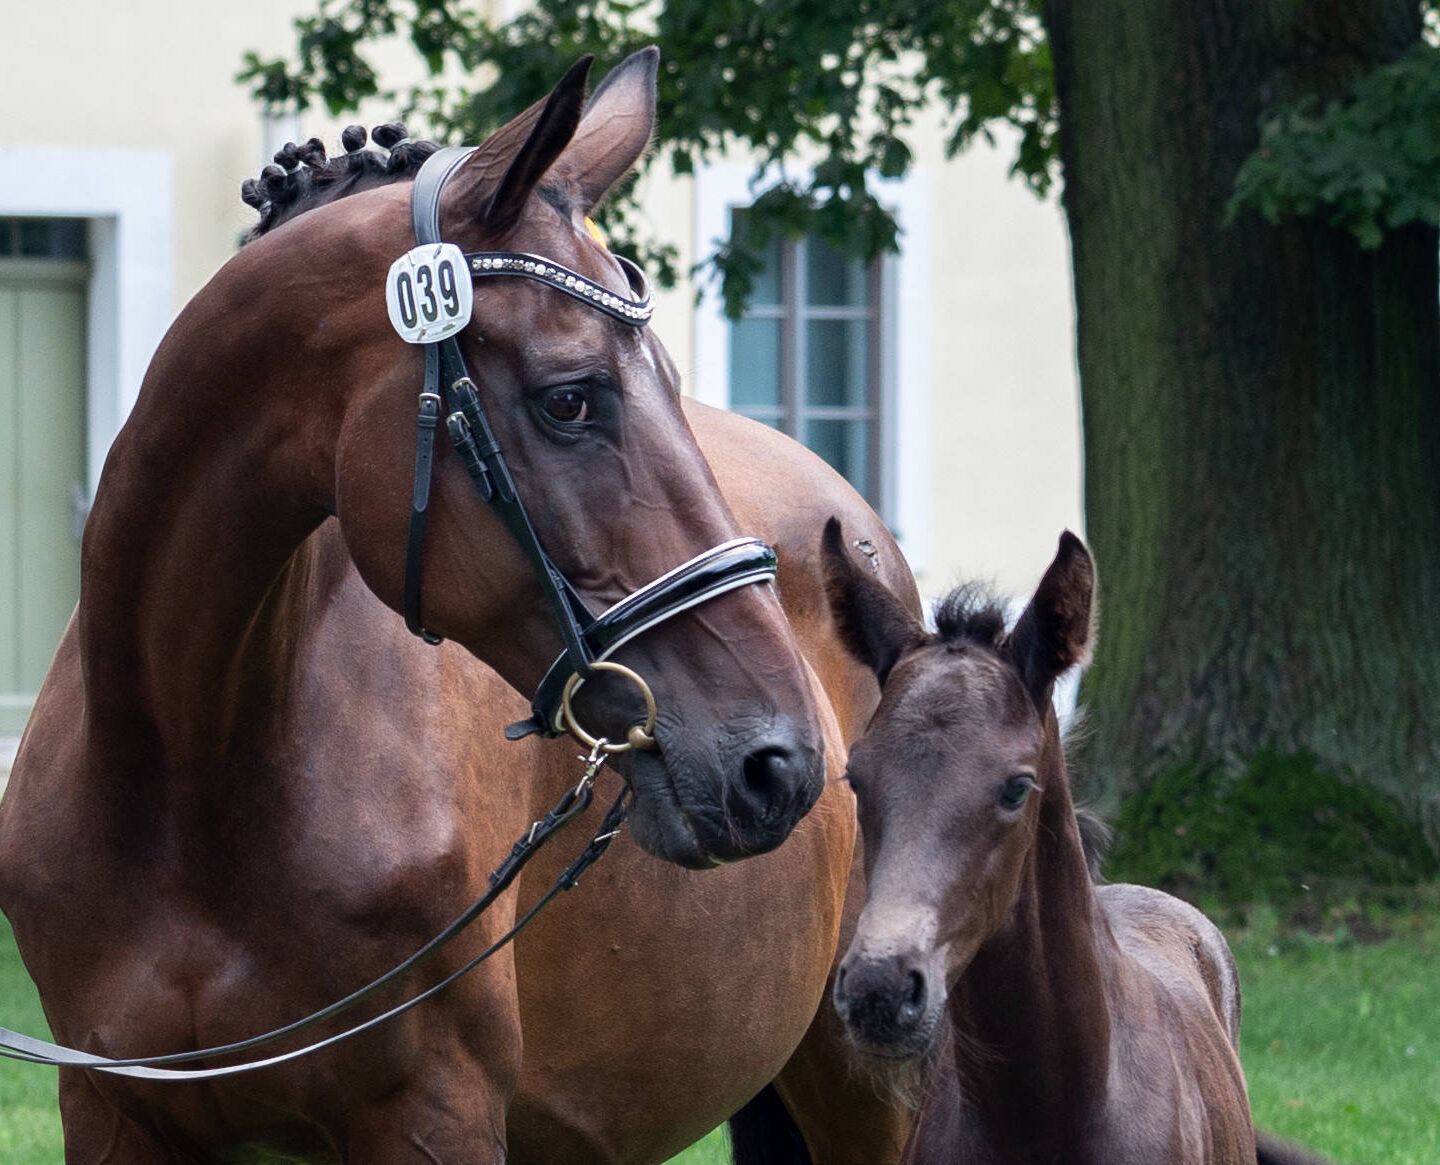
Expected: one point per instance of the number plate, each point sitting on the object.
(429, 294)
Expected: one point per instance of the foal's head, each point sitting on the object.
(586, 409)
(949, 777)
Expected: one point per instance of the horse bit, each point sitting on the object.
(429, 295)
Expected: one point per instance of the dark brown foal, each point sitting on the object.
(1063, 1022)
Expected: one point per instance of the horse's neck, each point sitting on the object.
(1031, 1013)
(190, 556)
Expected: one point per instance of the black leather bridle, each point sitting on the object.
(587, 638)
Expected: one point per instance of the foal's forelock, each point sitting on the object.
(971, 613)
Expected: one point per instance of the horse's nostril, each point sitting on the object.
(772, 778)
(917, 987)
(767, 770)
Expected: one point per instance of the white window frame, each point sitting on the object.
(904, 357)
(127, 197)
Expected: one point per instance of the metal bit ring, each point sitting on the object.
(641, 737)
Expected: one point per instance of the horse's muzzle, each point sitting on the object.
(741, 797)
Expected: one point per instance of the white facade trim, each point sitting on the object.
(128, 198)
(905, 339)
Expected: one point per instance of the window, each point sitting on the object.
(42, 238)
(805, 358)
(872, 406)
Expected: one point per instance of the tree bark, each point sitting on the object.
(1261, 408)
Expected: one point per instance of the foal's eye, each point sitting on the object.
(568, 404)
(1015, 789)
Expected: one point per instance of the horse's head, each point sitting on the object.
(586, 409)
(949, 778)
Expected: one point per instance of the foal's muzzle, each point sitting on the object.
(889, 1004)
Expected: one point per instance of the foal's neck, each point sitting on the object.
(1031, 1014)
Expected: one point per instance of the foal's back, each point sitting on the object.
(1177, 945)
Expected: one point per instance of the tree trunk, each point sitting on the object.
(1261, 408)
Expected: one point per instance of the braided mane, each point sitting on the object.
(302, 177)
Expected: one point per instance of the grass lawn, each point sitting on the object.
(1341, 1044)
(29, 1115)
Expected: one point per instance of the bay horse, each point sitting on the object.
(247, 789)
(1063, 1021)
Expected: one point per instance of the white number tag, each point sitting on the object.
(429, 293)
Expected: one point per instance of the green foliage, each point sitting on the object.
(836, 83)
(1367, 165)
(1270, 832)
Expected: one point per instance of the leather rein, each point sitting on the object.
(588, 639)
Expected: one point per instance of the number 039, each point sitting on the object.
(428, 293)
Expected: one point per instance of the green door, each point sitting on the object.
(42, 467)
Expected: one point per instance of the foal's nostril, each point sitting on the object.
(912, 1006)
(884, 1003)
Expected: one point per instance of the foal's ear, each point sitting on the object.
(1057, 630)
(499, 176)
(615, 131)
(874, 625)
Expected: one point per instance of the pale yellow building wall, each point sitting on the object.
(1005, 436)
(157, 75)
(1002, 463)
(997, 450)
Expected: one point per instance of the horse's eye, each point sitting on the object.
(1015, 789)
(569, 405)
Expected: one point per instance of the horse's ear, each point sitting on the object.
(874, 625)
(615, 132)
(495, 182)
(1057, 630)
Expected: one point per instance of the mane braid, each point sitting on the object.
(302, 177)
(971, 613)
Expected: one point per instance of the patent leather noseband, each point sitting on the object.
(449, 390)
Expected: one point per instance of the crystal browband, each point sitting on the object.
(636, 312)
